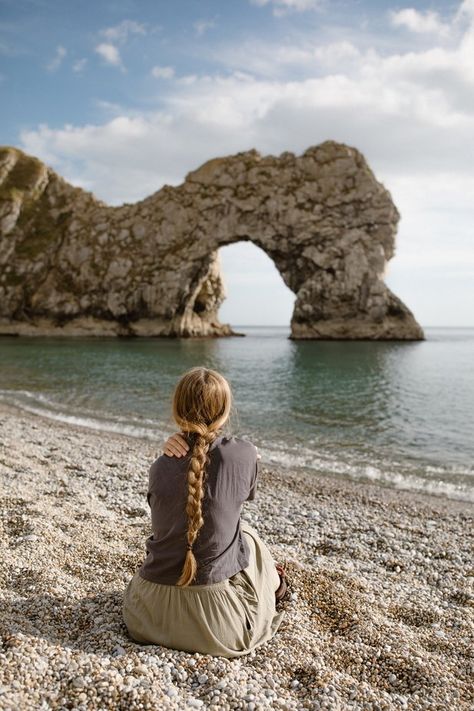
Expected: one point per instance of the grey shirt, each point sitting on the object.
(220, 549)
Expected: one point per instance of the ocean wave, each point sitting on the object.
(38, 404)
(436, 482)
(323, 463)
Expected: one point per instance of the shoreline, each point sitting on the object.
(302, 474)
(379, 615)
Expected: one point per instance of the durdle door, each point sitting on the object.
(72, 265)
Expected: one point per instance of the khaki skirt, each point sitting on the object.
(228, 619)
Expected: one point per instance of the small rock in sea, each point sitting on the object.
(202, 678)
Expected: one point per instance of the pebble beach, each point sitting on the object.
(379, 614)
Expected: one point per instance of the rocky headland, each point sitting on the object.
(72, 265)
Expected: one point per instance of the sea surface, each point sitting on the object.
(400, 414)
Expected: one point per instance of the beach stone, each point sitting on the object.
(352, 639)
(322, 217)
(171, 691)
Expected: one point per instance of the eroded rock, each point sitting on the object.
(72, 265)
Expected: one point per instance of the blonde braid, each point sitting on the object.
(196, 479)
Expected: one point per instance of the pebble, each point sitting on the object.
(354, 636)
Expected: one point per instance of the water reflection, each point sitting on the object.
(389, 404)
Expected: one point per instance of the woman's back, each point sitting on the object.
(220, 549)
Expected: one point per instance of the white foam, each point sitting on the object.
(53, 411)
(325, 463)
(291, 457)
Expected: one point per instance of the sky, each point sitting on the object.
(124, 97)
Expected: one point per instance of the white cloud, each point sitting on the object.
(410, 113)
(118, 34)
(187, 79)
(163, 72)
(58, 58)
(282, 7)
(109, 53)
(79, 65)
(306, 57)
(121, 32)
(427, 22)
(201, 26)
(109, 106)
(464, 12)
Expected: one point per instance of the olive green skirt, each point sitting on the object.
(228, 619)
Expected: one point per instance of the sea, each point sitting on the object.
(397, 414)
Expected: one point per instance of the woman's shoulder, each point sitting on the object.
(233, 444)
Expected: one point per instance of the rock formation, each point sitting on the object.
(72, 265)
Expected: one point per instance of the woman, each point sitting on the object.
(208, 582)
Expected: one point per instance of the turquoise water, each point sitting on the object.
(396, 413)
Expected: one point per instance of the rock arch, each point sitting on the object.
(70, 264)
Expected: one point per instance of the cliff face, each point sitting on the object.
(70, 264)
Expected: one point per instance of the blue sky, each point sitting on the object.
(123, 97)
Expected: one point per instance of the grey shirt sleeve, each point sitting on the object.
(151, 476)
(253, 486)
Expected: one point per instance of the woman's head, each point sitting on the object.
(202, 403)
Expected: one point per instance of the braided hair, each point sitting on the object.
(201, 405)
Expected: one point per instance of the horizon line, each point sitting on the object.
(283, 325)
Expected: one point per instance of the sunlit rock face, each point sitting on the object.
(72, 265)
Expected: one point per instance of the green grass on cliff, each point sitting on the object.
(24, 175)
(39, 229)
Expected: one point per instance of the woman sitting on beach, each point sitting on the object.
(208, 583)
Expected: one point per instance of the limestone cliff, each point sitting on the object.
(70, 264)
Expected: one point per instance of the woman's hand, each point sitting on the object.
(176, 446)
